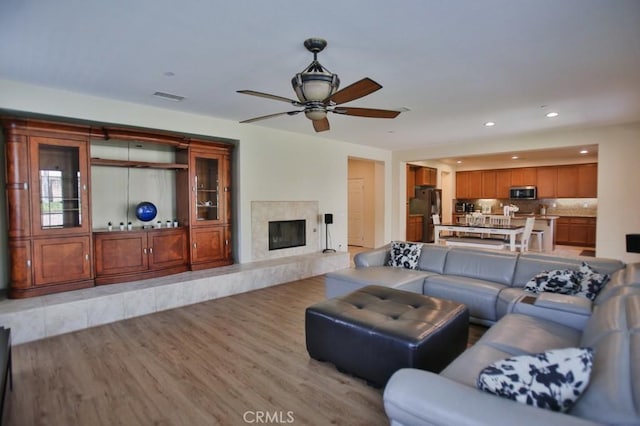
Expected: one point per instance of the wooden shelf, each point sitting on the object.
(137, 164)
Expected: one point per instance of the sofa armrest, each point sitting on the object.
(416, 397)
(376, 257)
(573, 311)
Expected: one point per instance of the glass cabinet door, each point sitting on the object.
(207, 188)
(60, 175)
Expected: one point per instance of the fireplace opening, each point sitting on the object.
(287, 233)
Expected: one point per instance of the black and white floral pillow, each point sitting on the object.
(553, 380)
(557, 281)
(404, 255)
(591, 282)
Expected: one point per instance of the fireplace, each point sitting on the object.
(287, 233)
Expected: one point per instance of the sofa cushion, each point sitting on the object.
(591, 282)
(613, 331)
(404, 255)
(347, 280)
(513, 335)
(620, 282)
(507, 296)
(529, 264)
(554, 379)
(481, 265)
(563, 281)
(432, 258)
(479, 295)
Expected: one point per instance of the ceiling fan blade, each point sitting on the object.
(355, 91)
(264, 117)
(367, 112)
(321, 125)
(269, 96)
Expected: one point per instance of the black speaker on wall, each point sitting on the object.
(633, 243)
(328, 218)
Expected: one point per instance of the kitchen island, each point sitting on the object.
(544, 223)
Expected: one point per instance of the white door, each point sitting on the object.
(355, 220)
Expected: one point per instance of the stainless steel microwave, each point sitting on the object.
(523, 193)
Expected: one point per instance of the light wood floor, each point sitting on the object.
(204, 364)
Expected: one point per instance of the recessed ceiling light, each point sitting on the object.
(551, 114)
(515, 157)
(584, 151)
(489, 124)
(459, 162)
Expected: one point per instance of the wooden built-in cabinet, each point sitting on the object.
(52, 244)
(49, 226)
(570, 181)
(125, 255)
(208, 205)
(576, 231)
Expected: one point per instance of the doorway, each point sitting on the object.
(355, 207)
(366, 203)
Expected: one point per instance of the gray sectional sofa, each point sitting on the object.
(486, 281)
(522, 324)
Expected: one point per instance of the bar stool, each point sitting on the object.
(540, 236)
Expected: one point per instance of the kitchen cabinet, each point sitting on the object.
(415, 227)
(587, 180)
(524, 176)
(469, 184)
(411, 181)
(128, 255)
(488, 189)
(547, 181)
(570, 181)
(578, 181)
(426, 176)
(567, 181)
(576, 231)
(503, 183)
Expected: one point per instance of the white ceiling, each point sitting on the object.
(455, 64)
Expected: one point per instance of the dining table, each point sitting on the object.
(481, 229)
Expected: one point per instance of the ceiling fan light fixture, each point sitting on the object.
(315, 86)
(315, 113)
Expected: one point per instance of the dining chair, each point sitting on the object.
(522, 240)
(500, 220)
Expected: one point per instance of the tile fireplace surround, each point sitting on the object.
(263, 212)
(45, 316)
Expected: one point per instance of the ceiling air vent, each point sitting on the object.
(169, 96)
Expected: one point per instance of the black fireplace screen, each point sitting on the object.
(286, 234)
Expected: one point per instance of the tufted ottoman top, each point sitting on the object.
(376, 330)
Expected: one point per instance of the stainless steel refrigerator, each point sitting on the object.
(427, 202)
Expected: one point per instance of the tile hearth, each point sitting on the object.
(45, 316)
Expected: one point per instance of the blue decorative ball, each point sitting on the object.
(146, 211)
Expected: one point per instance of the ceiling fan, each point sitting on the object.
(317, 92)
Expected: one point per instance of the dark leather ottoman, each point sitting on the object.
(374, 331)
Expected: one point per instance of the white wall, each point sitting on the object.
(618, 176)
(271, 165)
